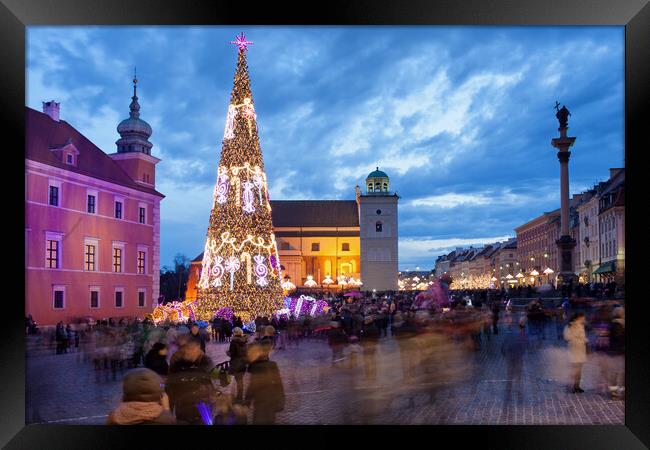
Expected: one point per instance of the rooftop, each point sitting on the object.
(42, 134)
(315, 213)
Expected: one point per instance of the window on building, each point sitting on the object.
(141, 262)
(59, 298)
(315, 247)
(117, 259)
(345, 247)
(142, 215)
(118, 299)
(118, 210)
(378, 227)
(90, 257)
(141, 299)
(91, 204)
(94, 299)
(54, 195)
(52, 257)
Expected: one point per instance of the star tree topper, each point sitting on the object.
(241, 42)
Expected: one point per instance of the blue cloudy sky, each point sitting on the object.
(460, 118)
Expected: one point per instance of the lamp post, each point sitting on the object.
(566, 243)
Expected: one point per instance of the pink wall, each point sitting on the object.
(136, 167)
(72, 220)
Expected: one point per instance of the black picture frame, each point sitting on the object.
(15, 15)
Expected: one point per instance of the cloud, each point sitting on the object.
(459, 117)
(452, 200)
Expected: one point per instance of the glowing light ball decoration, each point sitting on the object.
(288, 286)
(310, 282)
(241, 267)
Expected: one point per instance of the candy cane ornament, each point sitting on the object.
(232, 265)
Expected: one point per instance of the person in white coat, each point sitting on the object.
(575, 335)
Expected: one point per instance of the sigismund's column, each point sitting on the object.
(566, 243)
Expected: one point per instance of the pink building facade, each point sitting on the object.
(92, 221)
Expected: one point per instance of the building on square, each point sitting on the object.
(92, 220)
(317, 239)
(588, 259)
(537, 248)
(611, 224)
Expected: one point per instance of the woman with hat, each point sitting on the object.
(143, 401)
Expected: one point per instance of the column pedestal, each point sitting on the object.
(566, 244)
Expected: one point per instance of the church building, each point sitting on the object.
(322, 240)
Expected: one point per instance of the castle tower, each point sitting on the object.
(134, 158)
(378, 233)
(133, 147)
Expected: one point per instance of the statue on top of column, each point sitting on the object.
(562, 115)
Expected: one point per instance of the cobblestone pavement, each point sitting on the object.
(464, 386)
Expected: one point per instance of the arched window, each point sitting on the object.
(378, 227)
(370, 187)
(377, 186)
(385, 187)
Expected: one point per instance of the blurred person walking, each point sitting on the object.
(216, 329)
(513, 349)
(617, 354)
(575, 335)
(189, 383)
(265, 393)
(496, 309)
(156, 359)
(197, 336)
(369, 341)
(282, 331)
(238, 353)
(336, 339)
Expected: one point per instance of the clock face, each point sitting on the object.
(378, 211)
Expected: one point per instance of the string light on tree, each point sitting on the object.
(240, 242)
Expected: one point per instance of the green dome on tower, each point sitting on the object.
(377, 174)
(377, 182)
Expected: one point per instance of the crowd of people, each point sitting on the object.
(170, 379)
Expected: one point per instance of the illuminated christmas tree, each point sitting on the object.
(241, 268)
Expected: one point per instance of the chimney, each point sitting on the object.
(613, 172)
(51, 108)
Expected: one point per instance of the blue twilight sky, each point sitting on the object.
(460, 118)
